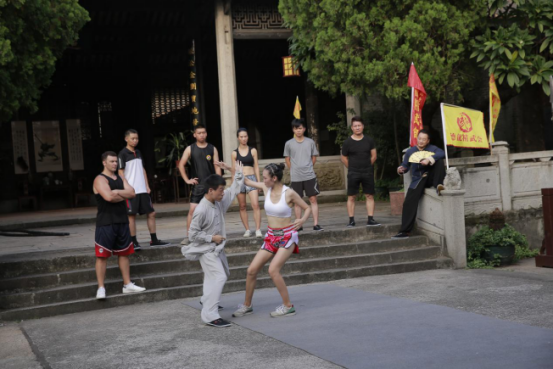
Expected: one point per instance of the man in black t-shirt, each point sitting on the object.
(202, 157)
(359, 155)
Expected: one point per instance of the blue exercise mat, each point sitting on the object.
(358, 329)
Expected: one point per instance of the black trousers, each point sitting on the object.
(434, 177)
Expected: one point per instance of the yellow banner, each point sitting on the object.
(297, 108)
(495, 106)
(464, 127)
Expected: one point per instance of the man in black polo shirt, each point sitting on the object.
(202, 155)
(131, 168)
(359, 155)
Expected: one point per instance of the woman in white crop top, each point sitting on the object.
(281, 240)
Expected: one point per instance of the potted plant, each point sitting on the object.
(172, 146)
(497, 244)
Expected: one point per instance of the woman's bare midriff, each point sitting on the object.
(248, 171)
(275, 222)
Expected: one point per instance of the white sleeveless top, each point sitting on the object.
(280, 209)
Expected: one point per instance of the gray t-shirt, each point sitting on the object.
(301, 154)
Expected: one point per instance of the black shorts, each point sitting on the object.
(197, 194)
(366, 180)
(141, 204)
(113, 239)
(311, 187)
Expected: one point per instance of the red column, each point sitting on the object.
(545, 259)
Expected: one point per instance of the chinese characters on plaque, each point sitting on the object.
(75, 144)
(20, 147)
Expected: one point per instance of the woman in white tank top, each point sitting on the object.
(280, 241)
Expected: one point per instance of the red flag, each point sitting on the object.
(418, 97)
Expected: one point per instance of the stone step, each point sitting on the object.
(297, 266)
(45, 263)
(41, 281)
(155, 295)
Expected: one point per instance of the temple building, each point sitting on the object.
(160, 67)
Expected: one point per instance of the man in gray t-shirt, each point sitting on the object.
(301, 153)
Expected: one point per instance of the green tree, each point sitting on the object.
(517, 44)
(361, 47)
(33, 36)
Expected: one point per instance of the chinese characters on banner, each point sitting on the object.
(464, 127)
(75, 144)
(47, 143)
(20, 147)
(194, 104)
(495, 106)
(418, 97)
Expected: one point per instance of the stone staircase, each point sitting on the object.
(66, 283)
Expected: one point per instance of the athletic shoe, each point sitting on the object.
(159, 243)
(301, 229)
(101, 294)
(219, 323)
(258, 234)
(439, 189)
(220, 307)
(401, 235)
(185, 241)
(243, 310)
(351, 224)
(137, 246)
(372, 223)
(248, 233)
(318, 228)
(283, 310)
(133, 288)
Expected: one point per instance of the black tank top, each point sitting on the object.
(247, 160)
(202, 161)
(111, 212)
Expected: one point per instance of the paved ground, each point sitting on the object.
(170, 334)
(168, 228)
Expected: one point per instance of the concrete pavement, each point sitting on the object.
(170, 334)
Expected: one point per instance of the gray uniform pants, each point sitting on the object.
(215, 277)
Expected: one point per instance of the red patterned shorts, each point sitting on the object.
(281, 238)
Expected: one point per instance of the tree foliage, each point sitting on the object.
(358, 47)
(33, 35)
(517, 44)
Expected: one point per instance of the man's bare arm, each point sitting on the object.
(216, 159)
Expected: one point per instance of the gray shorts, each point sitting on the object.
(247, 189)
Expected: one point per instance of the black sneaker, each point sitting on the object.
(220, 307)
(318, 228)
(159, 243)
(137, 246)
(301, 229)
(351, 224)
(401, 235)
(372, 223)
(219, 323)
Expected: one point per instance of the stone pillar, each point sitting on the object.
(352, 103)
(501, 150)
(227, 77)
(454, 226)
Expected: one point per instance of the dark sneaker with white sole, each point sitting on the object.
(137, 246)
(351, 224)
(159, 243)
(372, 223)
(318, 228)
(400, 235)
(219, 323)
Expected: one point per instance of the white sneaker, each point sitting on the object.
(283, 310)
(101, 294)
(248, 233)
(185, 241)
(133, 288)
(258, 234)
(243, 310)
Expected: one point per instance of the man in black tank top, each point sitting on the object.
(202, 155)
(112, 234)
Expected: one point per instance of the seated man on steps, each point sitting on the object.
(428, 172)
(112, 224)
